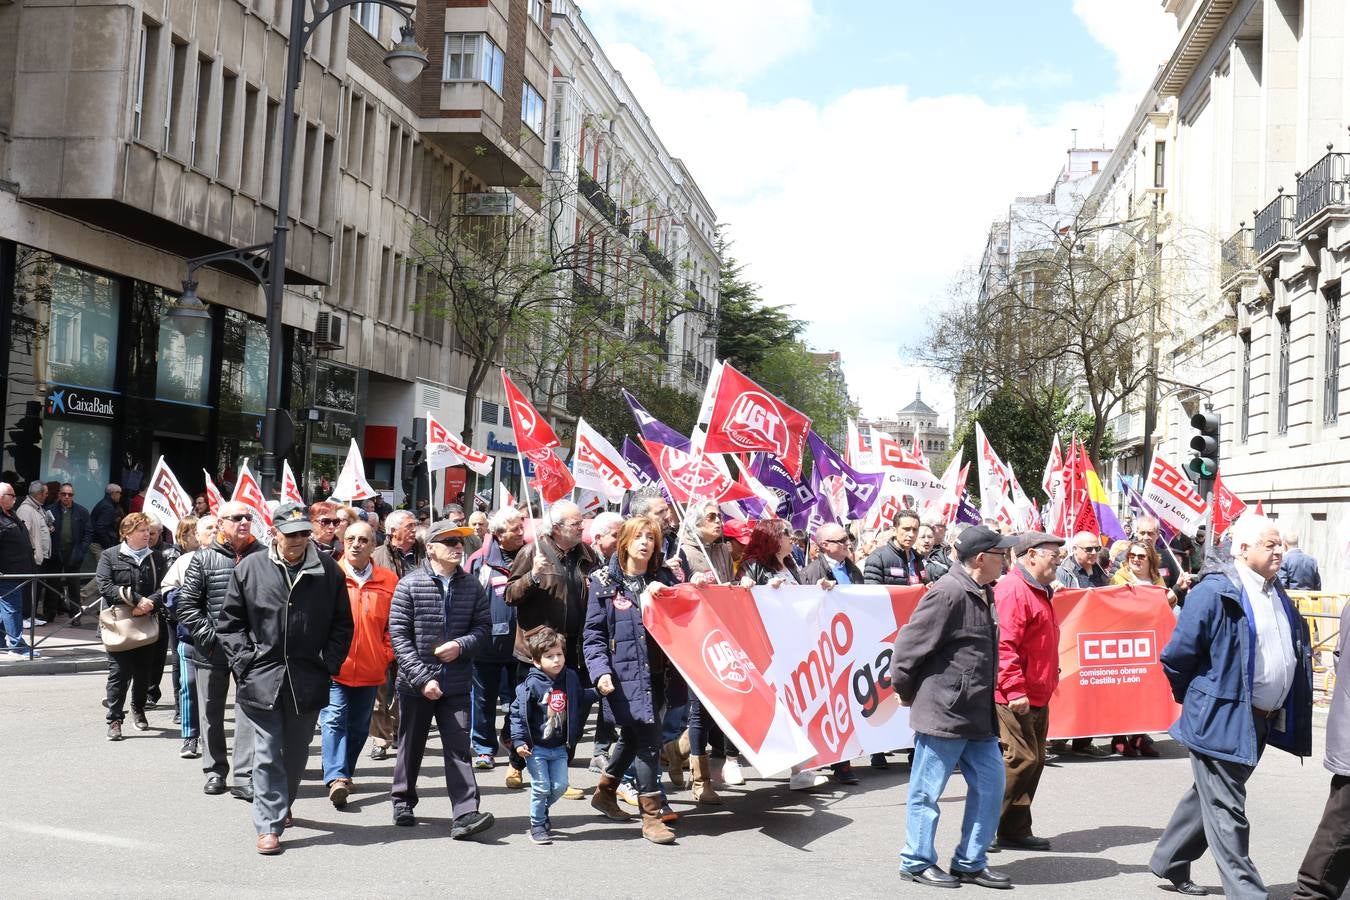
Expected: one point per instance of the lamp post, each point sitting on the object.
(406, 60)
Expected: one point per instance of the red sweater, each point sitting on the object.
(1028, 648)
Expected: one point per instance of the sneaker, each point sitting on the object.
(573, 793)
(731, 771)
(627, 793)
(28, 623)
(138, 719)
(191, 749)
(337, 793)
(22, 653)
(403, 815)
(483, 762)
(379, 751)
(599, 762)
(539, 835)
(515, 780)
(469, 824)
(805, 781)
(879, 762)
(114, 731)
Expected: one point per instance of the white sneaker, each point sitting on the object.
(28, 623)
(731, 771)
(22, 653)
(805, 781)
(627, 794)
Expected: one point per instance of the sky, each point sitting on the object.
(857, 150)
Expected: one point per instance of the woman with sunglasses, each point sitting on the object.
(324, 517)
(630, 671)
(1141, 566)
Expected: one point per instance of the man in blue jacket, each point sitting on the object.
(1240, 665)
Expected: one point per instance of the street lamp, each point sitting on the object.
(267, 262)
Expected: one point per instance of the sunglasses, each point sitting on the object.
(330, 523)
(239, 517)
(67, 494)
(450, 542)
(835, 541)
(1138, 556)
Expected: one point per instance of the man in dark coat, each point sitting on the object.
(71, 537)
(896, 561)
(286, 627)
(548, 582)
(105, 515)
(945, 667)
(438, 621)
(1240, 665)
(16, 558)
(401, 553)
(1299, 571)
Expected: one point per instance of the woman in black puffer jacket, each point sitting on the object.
(128, 574)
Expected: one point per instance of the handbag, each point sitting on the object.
(120, 630)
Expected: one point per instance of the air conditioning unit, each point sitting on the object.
(328, 331)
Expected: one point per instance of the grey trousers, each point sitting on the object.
(212, 686)
(1212, 814)
(451, 714)
(281, 739)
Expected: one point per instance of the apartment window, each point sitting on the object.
(1245, 411)
(230, 143)
(1282, 400)
(1331, 358)
(1159, 163)
(271, 140)
(138, 103)
(368, 145)
(248, 177)
(556, 129)
(173, 110)
(368, 16)
(474, 57)
(532, 108)
(203, 155)
(539, 11)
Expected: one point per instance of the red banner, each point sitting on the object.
(1110, 678)
(532, 432)
(693, 476)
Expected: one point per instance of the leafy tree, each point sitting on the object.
(607, 412)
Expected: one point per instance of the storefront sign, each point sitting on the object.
(497, 446)
(82, 402)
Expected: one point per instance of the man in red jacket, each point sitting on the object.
(1028, 671)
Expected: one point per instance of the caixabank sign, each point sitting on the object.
(82, 403)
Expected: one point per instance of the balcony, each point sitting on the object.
(658, 260)
(1236, 258)
(1128, 430)
(596, 194)
(1274, 225)
(1320, 188)
(642, 333)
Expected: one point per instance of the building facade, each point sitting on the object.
(917, 420)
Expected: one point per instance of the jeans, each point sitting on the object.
(548, 780)
(11, 616)
(486, 685)
(637, 744)
(982, 766)
(344, 725)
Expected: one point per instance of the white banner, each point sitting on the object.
(165, 497)
(1169, 493)
(598, 467)
(445, 450)
(351, 484)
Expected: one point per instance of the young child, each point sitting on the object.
(544, 717)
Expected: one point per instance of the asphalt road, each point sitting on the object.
(85, 817)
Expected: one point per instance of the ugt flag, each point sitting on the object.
(746, 418)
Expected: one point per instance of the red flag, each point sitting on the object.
(1259, 511)
(688, 476)
(532, 432)
(213, 495)
(745, 418)
(1227, 506)
(552, 479)
(290, 488)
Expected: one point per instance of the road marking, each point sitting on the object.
(71, 834)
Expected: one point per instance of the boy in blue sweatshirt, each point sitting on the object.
(544, 716)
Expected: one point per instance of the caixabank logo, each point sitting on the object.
(1114, 648)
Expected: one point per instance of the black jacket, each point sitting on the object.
(558, 598)
(80, 532)
(820, 568)
(387, 557)
(945, 661)
(16, 550)
(122, 580)
(418, 624)
(888, 564)
(278, 631)
(103, 519)
(202, 597)
(547, 711)
(938, 562)
(759, 573)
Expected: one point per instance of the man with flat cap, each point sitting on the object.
(285, 626)
(1028, 671)
(944, 667)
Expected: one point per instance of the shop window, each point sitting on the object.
(182, 370)
(243, 375)
(335, 388)
(83, 317)
(77, 452)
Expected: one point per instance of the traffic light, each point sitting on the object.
(25, 441)
(1204, 465)
(413, 457)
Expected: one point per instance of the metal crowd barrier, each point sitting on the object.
(40, 581)
(1322, 610)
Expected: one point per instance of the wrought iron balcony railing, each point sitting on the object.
(1321, 187)
(1235, 255)
(1274, 224)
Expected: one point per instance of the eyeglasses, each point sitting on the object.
(450, 542)
(330, 523)
(1138, 556)
(713, 517)
(67, 494)
(239, 517)
(1089, 549)
(835, 541)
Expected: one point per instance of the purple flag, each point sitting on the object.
(862, 489)
(641, 464)
(967, 511)
(818, 513)
(653, 429)
(793, 496)
(1139, 506)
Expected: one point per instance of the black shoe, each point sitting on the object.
(469, 824)
(403, 815)
(242, 792)
(844, 774)
(138, 719)
(1030, 842)
(879, 761)
(994, 847)
(1188, 887)
(215, 784)
(114, 731)
(379, 751)
(177, 717)
(152, 701)
(933, 876)
(986, 878)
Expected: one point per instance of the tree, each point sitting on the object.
(1073, 319)
(607, 412)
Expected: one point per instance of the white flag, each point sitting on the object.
(165, 497)
(598, 467)
(248, 491)
(505, 499)
(445, 450)
(995, 480)
(351, 484)
(1168, 492)
(290, 488)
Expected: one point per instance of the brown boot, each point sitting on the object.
(700, 768)
(606, 802)
(674, 760)
(653, 829)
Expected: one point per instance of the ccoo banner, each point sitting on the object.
(799, 676)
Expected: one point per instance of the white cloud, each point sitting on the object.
(1136, 33)
(861, 212)
(1042, 77)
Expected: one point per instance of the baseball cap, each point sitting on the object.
(1032, 539)
(981, 539)
(445, 528)
(291, 518)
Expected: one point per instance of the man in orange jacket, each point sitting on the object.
(345, 721)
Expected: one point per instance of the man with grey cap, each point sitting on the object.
(944, 667)
(1028, 671)
(286, 626)
(439, 620)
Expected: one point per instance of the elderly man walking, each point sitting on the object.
(944, 667)
(1240, 665)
